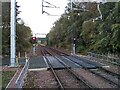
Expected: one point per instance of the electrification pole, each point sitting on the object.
(13, 34)
(71, 1)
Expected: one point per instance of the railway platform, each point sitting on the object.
(39, 62)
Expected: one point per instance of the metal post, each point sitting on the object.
(74, 46)
(74, 49)
(71, 4)
(34, 49)
(13, 34)
(1, 42)
(42, 7)
(19, 55)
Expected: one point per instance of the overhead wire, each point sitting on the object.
(48, 6)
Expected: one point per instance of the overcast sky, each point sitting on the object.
(31, 13)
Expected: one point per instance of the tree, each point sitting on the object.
(99, 36)
(23, 32)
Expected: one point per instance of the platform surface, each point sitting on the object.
(88, 61)
(37, 62)
(55, 63)
(84, 63)
(41, 62)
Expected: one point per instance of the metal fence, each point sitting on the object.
(20, 80)
(106, 58)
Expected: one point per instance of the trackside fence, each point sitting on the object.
(106, 58)
(20, 80)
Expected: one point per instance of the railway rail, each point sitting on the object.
(107, 70)
(107, 75)
(80, 83)
(112, 60)
(60, 86)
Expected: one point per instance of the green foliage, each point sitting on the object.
(6, 77)
(6, 28)
(23, 37)
(23, 33)
(99, 36)
(80, 49)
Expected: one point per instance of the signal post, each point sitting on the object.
(34, 39)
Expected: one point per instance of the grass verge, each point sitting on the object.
(6, 77)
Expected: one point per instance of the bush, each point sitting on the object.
(80, 49)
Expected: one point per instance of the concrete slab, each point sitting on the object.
(69, 62)
(22, 61)
(55, 63)
(37, 69)
(41, 62)
(98, 65)
(81, 62)
(6, 61)
(37, 62)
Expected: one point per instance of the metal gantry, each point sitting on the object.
(98, 2)
(49, 5)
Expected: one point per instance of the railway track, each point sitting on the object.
(112, 78)
(69, 77)
(107, 75)
(60, 86)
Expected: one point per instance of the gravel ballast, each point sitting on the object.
(45, 79)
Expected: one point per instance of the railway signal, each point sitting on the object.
(34, 40)
(74, 40)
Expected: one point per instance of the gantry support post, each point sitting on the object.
(13, 34)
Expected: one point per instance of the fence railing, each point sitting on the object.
(106, 58)
(20, 80)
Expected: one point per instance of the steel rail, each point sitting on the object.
(112, 73)
(89, 69)
(54, 73)
(95, 73)
(102, 57)
(118, 75)
(116, 83)
(72, 72)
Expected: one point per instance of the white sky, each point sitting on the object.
(33, 17)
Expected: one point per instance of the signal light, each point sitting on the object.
(33, 38)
